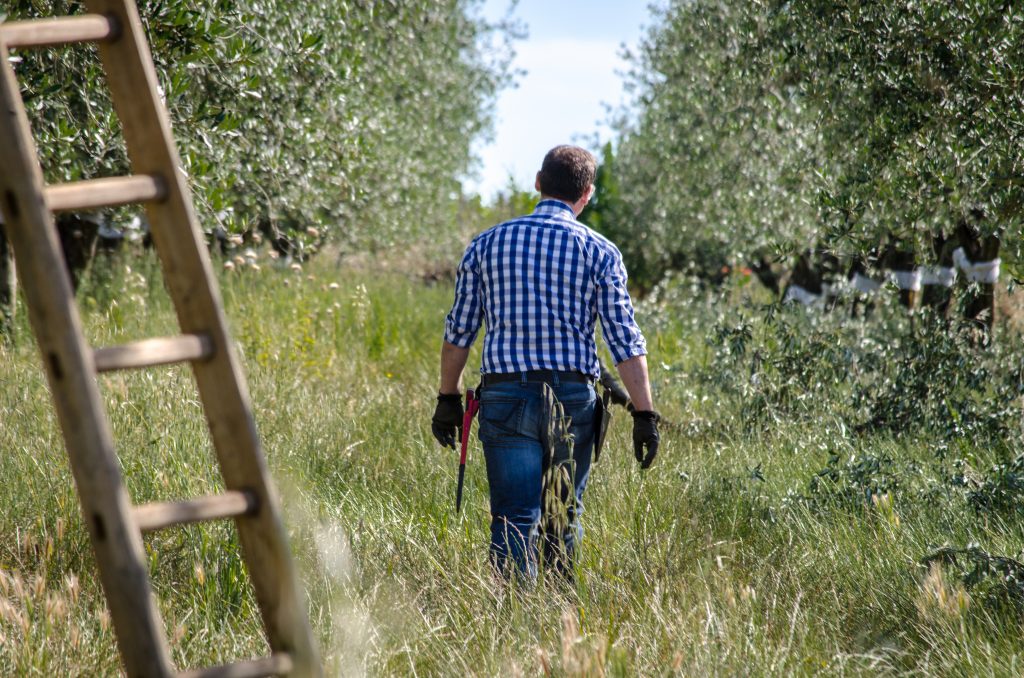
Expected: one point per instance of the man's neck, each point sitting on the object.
(576, 207)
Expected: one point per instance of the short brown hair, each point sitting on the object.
(567, 173)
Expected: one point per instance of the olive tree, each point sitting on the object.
(343, 119)
(776, 123)
(920, 104)
(712, 166)
(292, 109)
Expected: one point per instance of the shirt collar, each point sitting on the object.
(551, 206)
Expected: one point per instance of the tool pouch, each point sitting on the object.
(602, 417)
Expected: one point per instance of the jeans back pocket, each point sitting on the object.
(500, 417)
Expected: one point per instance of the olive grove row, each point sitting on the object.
(770, 127)
(348, 120)
(354, 116)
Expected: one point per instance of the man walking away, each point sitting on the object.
(540, 282)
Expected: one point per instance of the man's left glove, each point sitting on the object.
(447, 421)
(645, 434)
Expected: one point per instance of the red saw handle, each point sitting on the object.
(472, 405)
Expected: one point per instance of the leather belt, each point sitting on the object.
(538, 376)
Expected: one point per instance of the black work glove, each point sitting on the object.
(645, 434)
(447, 421)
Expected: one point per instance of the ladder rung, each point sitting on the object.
(158, 515)
(277, 664)
(59, 31)
(108, 192)
(153, 352)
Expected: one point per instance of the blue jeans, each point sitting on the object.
(512, 419)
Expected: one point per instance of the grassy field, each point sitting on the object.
(782, 530)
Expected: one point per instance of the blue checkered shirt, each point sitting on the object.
(540, 282)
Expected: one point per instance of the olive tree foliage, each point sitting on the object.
(920, 103)
(770, 125)
(351, 116)
(707, 165)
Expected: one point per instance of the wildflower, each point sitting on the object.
(229, 265)
(200, 574)
(333, 286)
(312, 232)
(239, 260)
(257, 238)
(254, 266)
(296, 267)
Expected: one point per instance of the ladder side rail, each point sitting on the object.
(190, 279)
(105, 504)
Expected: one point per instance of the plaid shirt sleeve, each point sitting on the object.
(621, 333)
(463, 321)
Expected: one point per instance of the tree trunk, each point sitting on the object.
(980, 298)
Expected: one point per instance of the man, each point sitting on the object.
(541, 282)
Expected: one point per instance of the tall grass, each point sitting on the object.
(765, 541)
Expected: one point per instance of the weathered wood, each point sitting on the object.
(58, 31)
(279, 664)
(189, 277)
(153, 352)
(107, 192)
(106, 508)
(159, 515)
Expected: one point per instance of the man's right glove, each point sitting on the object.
(447, 421)
(645, 434)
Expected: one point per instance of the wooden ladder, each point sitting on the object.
(114, 525)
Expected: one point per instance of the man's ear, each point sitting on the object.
(536, 183)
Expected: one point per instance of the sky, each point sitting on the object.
(573, 61)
